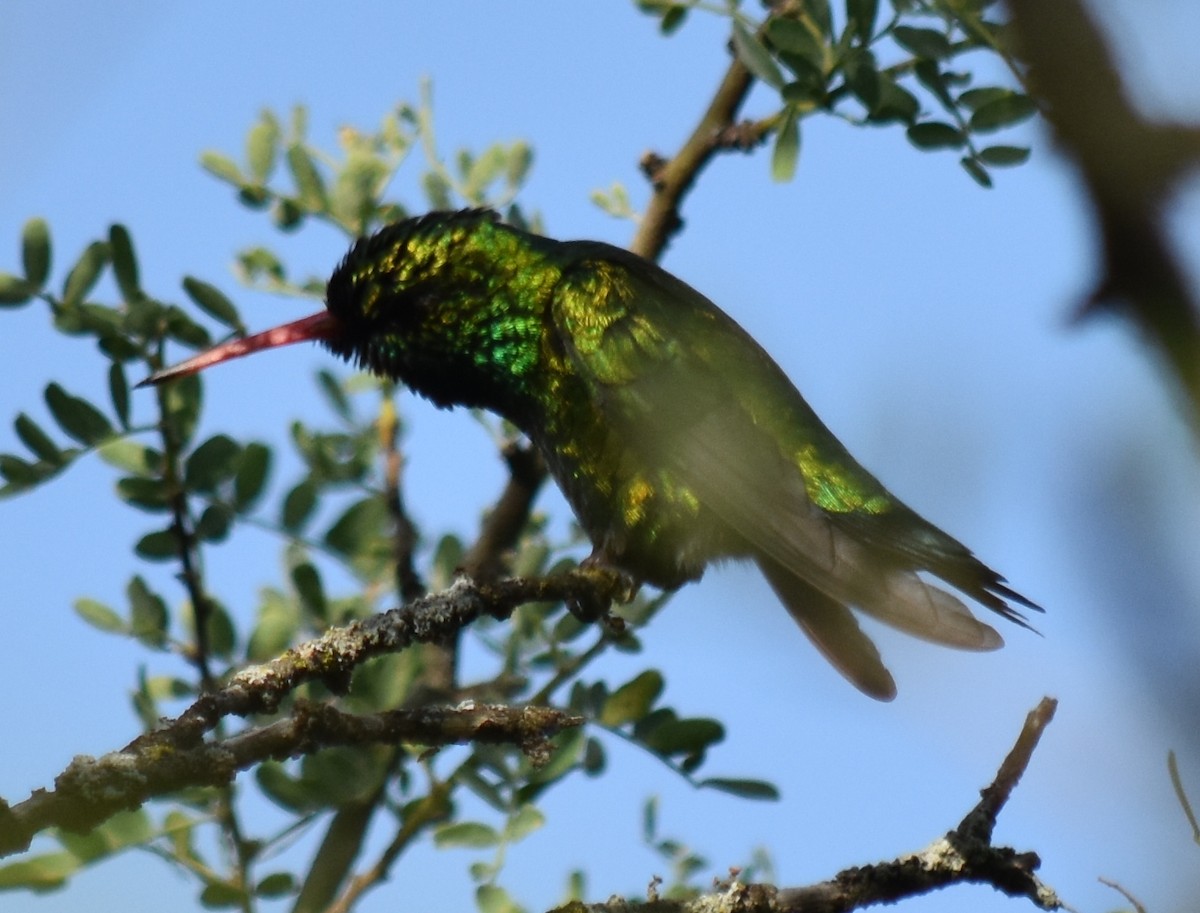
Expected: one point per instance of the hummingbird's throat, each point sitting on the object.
(319, 326)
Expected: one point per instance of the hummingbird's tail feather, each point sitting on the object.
(833, 630)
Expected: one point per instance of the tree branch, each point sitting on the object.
(964, 855)
(674, 178)
(1131, 166)
(176, 754)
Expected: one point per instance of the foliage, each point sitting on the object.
(875, 66)
(194, 492)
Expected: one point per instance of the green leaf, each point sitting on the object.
(310, 188)
(650, 820)
(1004, 156)
(212, 463)
(298, 506)
(336, 395)
(124, 262)
(931, 76)
(85, 273)
(77, 417)
(182, 327)
(687, 736)
(355, 189)
(754, 54)
(181, 406)
(308, 586)
(672, 19)
(469, 834)
(221, 166)
(161, 545)
(35, 251)
(862, 77)
(976, 170)
(796, 37)
(221, 894)
(213, 302)
(99, 616)
(526, 820)
(118, 392)
(213, 525)
(925, 43)
(277, 884)
(787, 147)
(862, 13)
(932, 134)
(262, 147)
(745, 789)
(15, 291)
(357, 526)
(516, 168)
(39, 443)
(148, 494)
(972, 99)
(1002, 112)
(491, 898)
(39, 873)
(275, 628)
(894, 103)
(437, 190)
(251, 477)
(19, 473)
(129, 456)
(258, 264)
(147, 613)
(633, 700)
(221, 633)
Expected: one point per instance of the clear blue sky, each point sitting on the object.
(924, 318)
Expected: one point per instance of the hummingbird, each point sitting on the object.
(674, 436)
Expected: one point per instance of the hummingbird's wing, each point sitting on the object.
(684, 384)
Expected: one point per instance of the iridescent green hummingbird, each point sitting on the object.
(674, 436)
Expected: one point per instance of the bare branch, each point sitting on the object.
(965, 855)
(674, 178)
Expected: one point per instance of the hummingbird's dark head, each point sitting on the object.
(448, 304)
(399, 294)
(394, 298)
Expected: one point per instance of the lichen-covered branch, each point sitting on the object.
(177, 754)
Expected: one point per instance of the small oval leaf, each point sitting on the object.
(213, 302)
(633, 700)
(85, 273)
(38, 441)
(124, 262)
(745, 789)
(99, 616)
(754, 54)
(465, 834)
(935, 135)
(35, 251)
(77, 417)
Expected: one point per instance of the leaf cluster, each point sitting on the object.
(873, 63)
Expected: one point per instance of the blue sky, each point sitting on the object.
(924, 318)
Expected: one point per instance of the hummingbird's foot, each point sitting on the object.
(611, 585)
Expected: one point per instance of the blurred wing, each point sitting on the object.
(693, 392)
